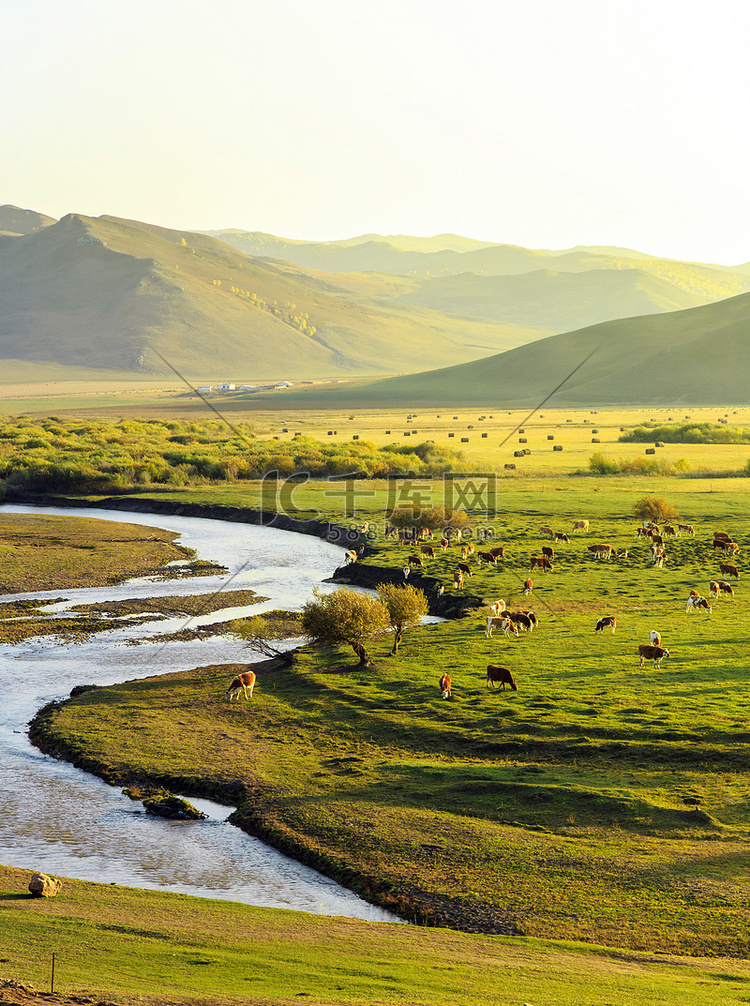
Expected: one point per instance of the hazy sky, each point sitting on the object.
(535, 122)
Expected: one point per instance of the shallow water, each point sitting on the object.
(60, 820)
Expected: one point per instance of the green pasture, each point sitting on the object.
(601, 802)
(155, 948)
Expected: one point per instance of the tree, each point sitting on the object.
(344, 616)
(406, 606)
(655, 509)
(262, 637)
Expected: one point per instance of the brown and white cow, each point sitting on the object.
(465, 568)
(606, 622)
(728, 570)
(528, 586)
(497, 607)
(668, 531)
(655, 653)
(487, 557)
(658, 556)
(498, 551)
(643, 532)
(581, 525)
(722, 535)
(654, 638)
(546, 532)
(350, 556)
(504, 623)
(444, 543)
(427, 550)
(726, 588)
(458, 580)
(525, 620)
(244, 683)
(548, 552)
(501, 675)
(687, 528)
(713, 589)
(445, 686)
(415, 560)
(542, 562)
(561, 536)
(697, 603)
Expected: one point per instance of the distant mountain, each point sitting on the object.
(111, 293)
(699, 356)
(15, 221)
(557, 301)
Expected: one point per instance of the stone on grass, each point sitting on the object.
(42, 886)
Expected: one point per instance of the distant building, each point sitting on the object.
(247, 387)
(283, 384)
(225, 387)
(205, 388)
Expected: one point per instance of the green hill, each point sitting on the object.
(106, 293)
(699, 356)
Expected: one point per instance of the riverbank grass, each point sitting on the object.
(129, 945)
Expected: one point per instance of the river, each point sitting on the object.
(59, 820)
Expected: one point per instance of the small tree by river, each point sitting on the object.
(345, 616)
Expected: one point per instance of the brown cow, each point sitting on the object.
(668, 531)
(697, 603)
(444, 542)
(687, 528)
(560, 536)
(458, 580)
(727, 570)
(427, 550)
(722, 535)
(581, 525)
(528, 586)
(542, 562)
(546, 532)
(445, 686)
(726, 588)
(523, 619)
(655, 653)
(498, 551)
(465, 568)
(487, 557)
(495, 673)
(415, 560)
(548, 551)
(606, 622)
(245, 683)
(600, 551)
(713, 589)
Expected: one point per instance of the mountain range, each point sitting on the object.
(472, 318)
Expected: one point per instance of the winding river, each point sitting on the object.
(60, 820)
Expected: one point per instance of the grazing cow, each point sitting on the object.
(654, 638)
(497, 607)
(498, 551)
(458, 580)
(657, 539)
(415, 560)
(524, 620)
(600, 551)
(465, 568)
(546, 532)
(658, 555)
(245, 683)
(470, 548)
(713, 589)
(621, 553)
(496, 674)
(445, 686)
(487, 557)
(560, 536)
(722, 535)
(727, 570)
(643, 532)
(424, 532)
(726, 588)
(581, 525)
(606, 622)
(728, 547)
(407, 570)
(655, 653)
(542, 562)
(464, 551)
(445, 542)
(505, 623)
(548, 551)
(687, 528)
(697, 603)
(668, 531)
(528, 586)
(427, 550)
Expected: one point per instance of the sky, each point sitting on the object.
(540, 123)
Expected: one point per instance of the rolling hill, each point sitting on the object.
(699, 356)
(111, 294)
(15, 221)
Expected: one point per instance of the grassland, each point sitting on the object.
(600, 802)
(126, 946)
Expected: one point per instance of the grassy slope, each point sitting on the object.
(100, 292)
(699, 356)
(125, 943)
(584, 783)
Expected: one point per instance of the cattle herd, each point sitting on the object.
(512, 623)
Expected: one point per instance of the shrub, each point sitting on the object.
(656, 509)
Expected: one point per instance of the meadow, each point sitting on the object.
(601, 803)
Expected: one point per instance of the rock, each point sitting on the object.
(42, 886)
